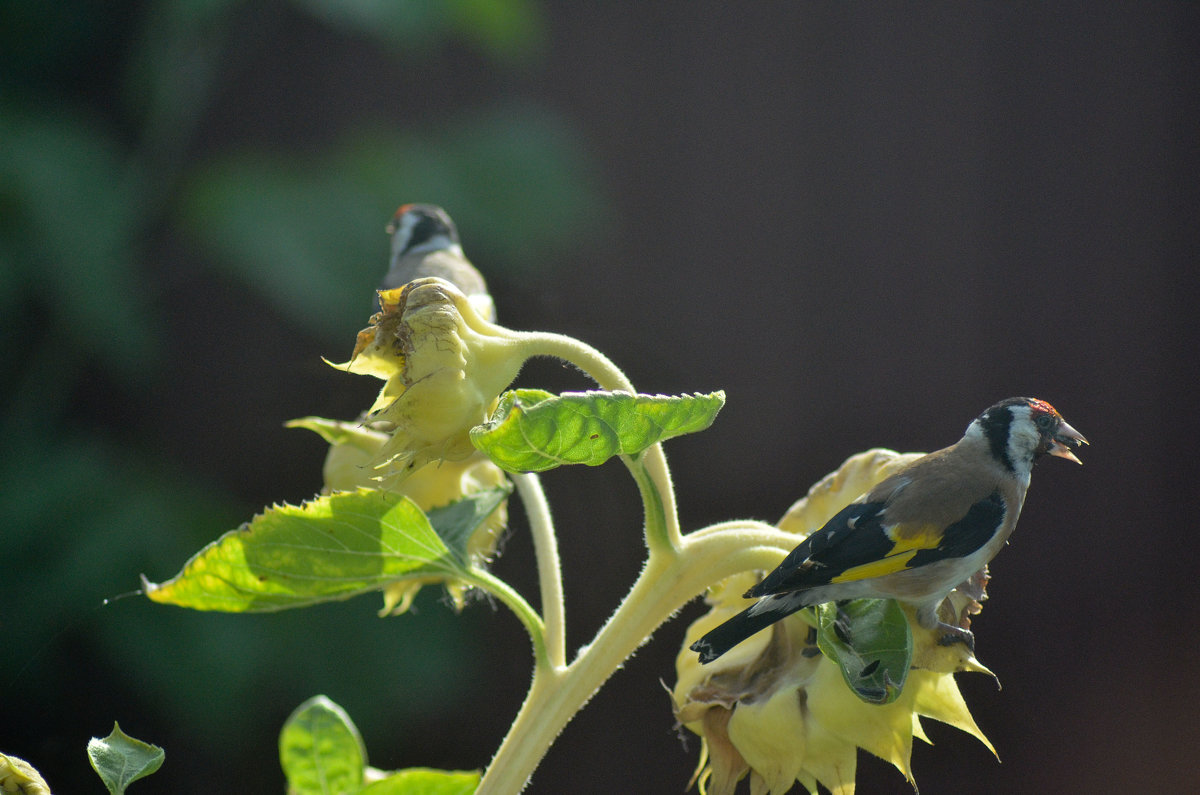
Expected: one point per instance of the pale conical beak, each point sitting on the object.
(1065, 440)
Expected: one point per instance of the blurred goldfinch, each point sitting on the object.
(918, 534)
(425, 243)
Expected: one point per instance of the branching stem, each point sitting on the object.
(677, 569)
(665, 584)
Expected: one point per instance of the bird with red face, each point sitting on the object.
(918, 534)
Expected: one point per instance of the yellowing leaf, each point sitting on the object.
(425, 781)
(328, 548)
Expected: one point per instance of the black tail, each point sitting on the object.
(753, 619)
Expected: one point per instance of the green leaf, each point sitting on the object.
(120, 760)
(457, 522)
(871, 642)
(321, 750)
(331, 547)
(62, 166)
(425, 781)
(509, 31)
(533, 430)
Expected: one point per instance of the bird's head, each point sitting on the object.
(419, 228)
(1021, 430)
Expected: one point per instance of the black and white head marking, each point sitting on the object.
(1018, 431)
(420, 228)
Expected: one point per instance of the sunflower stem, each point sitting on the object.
(660, 526)
(595, 364)
(545, 545)
(667, 582)
(649, 468)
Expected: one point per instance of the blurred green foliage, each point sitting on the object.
(511, 177)
(107, 150)
(510, 32)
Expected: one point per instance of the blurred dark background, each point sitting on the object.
(865, 224)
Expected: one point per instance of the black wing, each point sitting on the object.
(852, 537)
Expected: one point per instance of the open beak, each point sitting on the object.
(1065, 440)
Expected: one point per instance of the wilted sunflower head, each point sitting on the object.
(444, 367)
(17, 775)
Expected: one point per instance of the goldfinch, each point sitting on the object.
(425, 243)
(918, 534)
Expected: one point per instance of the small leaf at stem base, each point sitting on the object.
(120, 760)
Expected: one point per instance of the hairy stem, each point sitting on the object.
(649, 468)
(545, 545)
(754, 533)
(591, 361)
(655, 462)
(661, 523)
(665, 584)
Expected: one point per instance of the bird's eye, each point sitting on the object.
(1045, 422)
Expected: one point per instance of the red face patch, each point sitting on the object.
(1042, 407)
(394, 224)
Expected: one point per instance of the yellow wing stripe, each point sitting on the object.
(907, 540)
(877, 568)
(914, 536)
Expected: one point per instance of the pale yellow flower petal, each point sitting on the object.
(353, 447)
(883, 729)
(838, 489)
(770, 735)
(830, 760)
(17, 775)
(918, 731)
(721, 765)
(930, 654)
(937, 696)
(810, 783)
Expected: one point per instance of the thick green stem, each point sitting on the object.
(660, 536)
(677, 570)
(754, 533)
(665, 584)
(649, 470)
(591, 361)
(545, 545)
